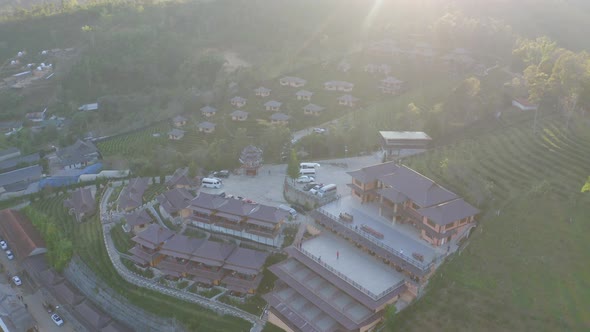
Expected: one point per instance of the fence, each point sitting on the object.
(304, 198)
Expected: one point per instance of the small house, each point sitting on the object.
(338, 86)
(179, 121)
(262, 92)
(238, 101)
(36, 116)
(81, 203)
(292, 81)
(391, 85)
(304, 95)
(279, 119)
(238, 115)
(208, 111)
(207, 127)
(176, 134)
(312, 109)
(88, 107)
(523, 104)
(347, 100)
(138, 221)
(273, 105)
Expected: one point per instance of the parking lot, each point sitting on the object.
(267, 186)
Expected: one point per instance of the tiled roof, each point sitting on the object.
(27, 174)
(24, 239)
(207, 125)
(313, 108)
(447, 212)
(175, 200)
(246, 259)
(155, 235)
(208, 109)
(138, 218)
(280, 117)
(79, 152)
(372, 173)
(132, 195)
(92, 315)
(81, 201)
(420, 189)
(181, 177)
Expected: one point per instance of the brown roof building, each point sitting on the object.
(92, 315)
(174, 201)
(131, 196)
(181, 179)
(21, 235)
(81, 203)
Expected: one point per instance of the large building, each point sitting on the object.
(394, 142)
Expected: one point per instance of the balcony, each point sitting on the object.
(409, 213)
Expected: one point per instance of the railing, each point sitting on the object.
(422, 266)
(410, 213)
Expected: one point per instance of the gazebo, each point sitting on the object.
(251, 160)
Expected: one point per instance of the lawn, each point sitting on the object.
(88, 244)
(525, 268)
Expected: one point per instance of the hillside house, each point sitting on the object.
(36, 116)
(238, 101)
(208, 111)
(273, 105)
(179, 121)
(347, 100)
(181, 179)
(391, 85)
(292, 81)
(10, 127)
(262, 92)
(239, 115)
(78, 155)
(393, 142)
(313, 109)
(304, 95)
(131, 197)
(81, 203)
(206, 127)
(338, 86)
(176, 134)
(523, 104)
(280, 119)
(20, 180)
(138, 221)
(88, 107)
(173, 203)
(20, 234)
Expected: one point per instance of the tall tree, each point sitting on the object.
(293, 165)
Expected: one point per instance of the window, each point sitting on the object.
(449, 226)
(430, 223)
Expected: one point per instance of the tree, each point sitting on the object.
(586, 187)
(293, 166)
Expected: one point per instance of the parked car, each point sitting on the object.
(221, 174)
(289, 209)
(305, 179)
(16, 280)
(3, 245)
(309, 186)
(319, 130)
(315, 189)
(9, 254)
(57, 320)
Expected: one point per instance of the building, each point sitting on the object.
(207, 127)
(304, 95)
(9, 153)
(239, 115)
(173, 203)
(273, 105)
(338, 86)
(20, 180)
(313, 109)
(14, 163)
(138, 221)
(181, 179)
(176, 134)
(10, 127)
(208, 111)
(292, 81)
(405, 196)
(390, 85)
(347, 100)
(81, 203)
(20, 234)
(371, 68)
(523, 104)
(238, 101)
(95, 319)
(88, 107)
(78, 155)
(262, 92)
(36, 116)
(131, 197)
(14, 316)
(254, 222)
(280, 119)
(394, 142)
(179, 121)
(385, 48)
(251, 159)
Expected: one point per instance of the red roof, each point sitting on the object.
(20, 234)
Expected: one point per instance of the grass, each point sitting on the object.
(121, 239)
(89, 245)
(524, 269)
(192, 232)
(209, 293)
(115, 193)
(153, 191)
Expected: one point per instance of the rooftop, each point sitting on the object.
(239, 113)
(31, 173)
(401, 135)
(208, 109)
(20, 234)
(207, 125)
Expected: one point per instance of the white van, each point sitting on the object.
(309, 165)
(211, 183)
(327, 190)
(289, 209)
(307, 171)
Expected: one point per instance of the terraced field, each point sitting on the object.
(134, 144)
(89, 245)
(525, 268)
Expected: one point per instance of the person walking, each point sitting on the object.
(337, 254)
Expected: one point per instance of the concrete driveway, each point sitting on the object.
(267, 187)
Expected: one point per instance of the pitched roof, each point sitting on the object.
(304, 93)
(262, 89)
(213, 253)
(372, 173)
(181, 246)
(81, 201)
(268, 214)
(181, 177)
(207, 201)
(236, 207)
(7, 125)
(280, 117)
(245, 260)
(208, 109)
(176, 133)
(447, 212)
(392, 195)
(79, 152)
(92, 315)
(420, 189)
(132, 195)
(175, 200)
(179, 118)
(138, 218)
(20, 234)
(339, 83)
(14, 162)
(153, 236)
(238, 99)
(313, 108)
(348, 98)
(207, 125)
(27, 174)
(239, 113)
(273, 103)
